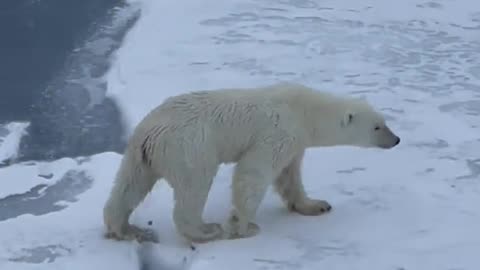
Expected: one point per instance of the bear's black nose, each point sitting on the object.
(397, 141)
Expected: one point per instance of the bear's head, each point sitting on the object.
(363, 126)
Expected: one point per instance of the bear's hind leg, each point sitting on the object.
(289, 186)
(133, 182)
(191, 193)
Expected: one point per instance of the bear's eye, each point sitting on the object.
(377, 128)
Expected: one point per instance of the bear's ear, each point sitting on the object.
(347, 118)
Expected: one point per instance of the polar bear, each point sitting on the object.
(264, 130)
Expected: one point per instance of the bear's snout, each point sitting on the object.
(388, 139)
(397, 141)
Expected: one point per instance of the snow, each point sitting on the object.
(412, 207)
(10, 141)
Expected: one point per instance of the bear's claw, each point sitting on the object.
(133, 232)
(253, 229)
(234, 230)
(206, 232)
(310, 207)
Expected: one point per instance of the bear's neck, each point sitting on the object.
(321, 129)
(320, 115)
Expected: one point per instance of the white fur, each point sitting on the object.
(265, 131)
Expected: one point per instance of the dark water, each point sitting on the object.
(53, 54)
(43, 199)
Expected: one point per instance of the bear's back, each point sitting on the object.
(226, 121)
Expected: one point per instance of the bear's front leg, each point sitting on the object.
(191, 193)
(289, 185)
(252, 176)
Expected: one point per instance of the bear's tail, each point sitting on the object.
(134, 180)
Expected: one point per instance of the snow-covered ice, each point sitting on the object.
(412, 207)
